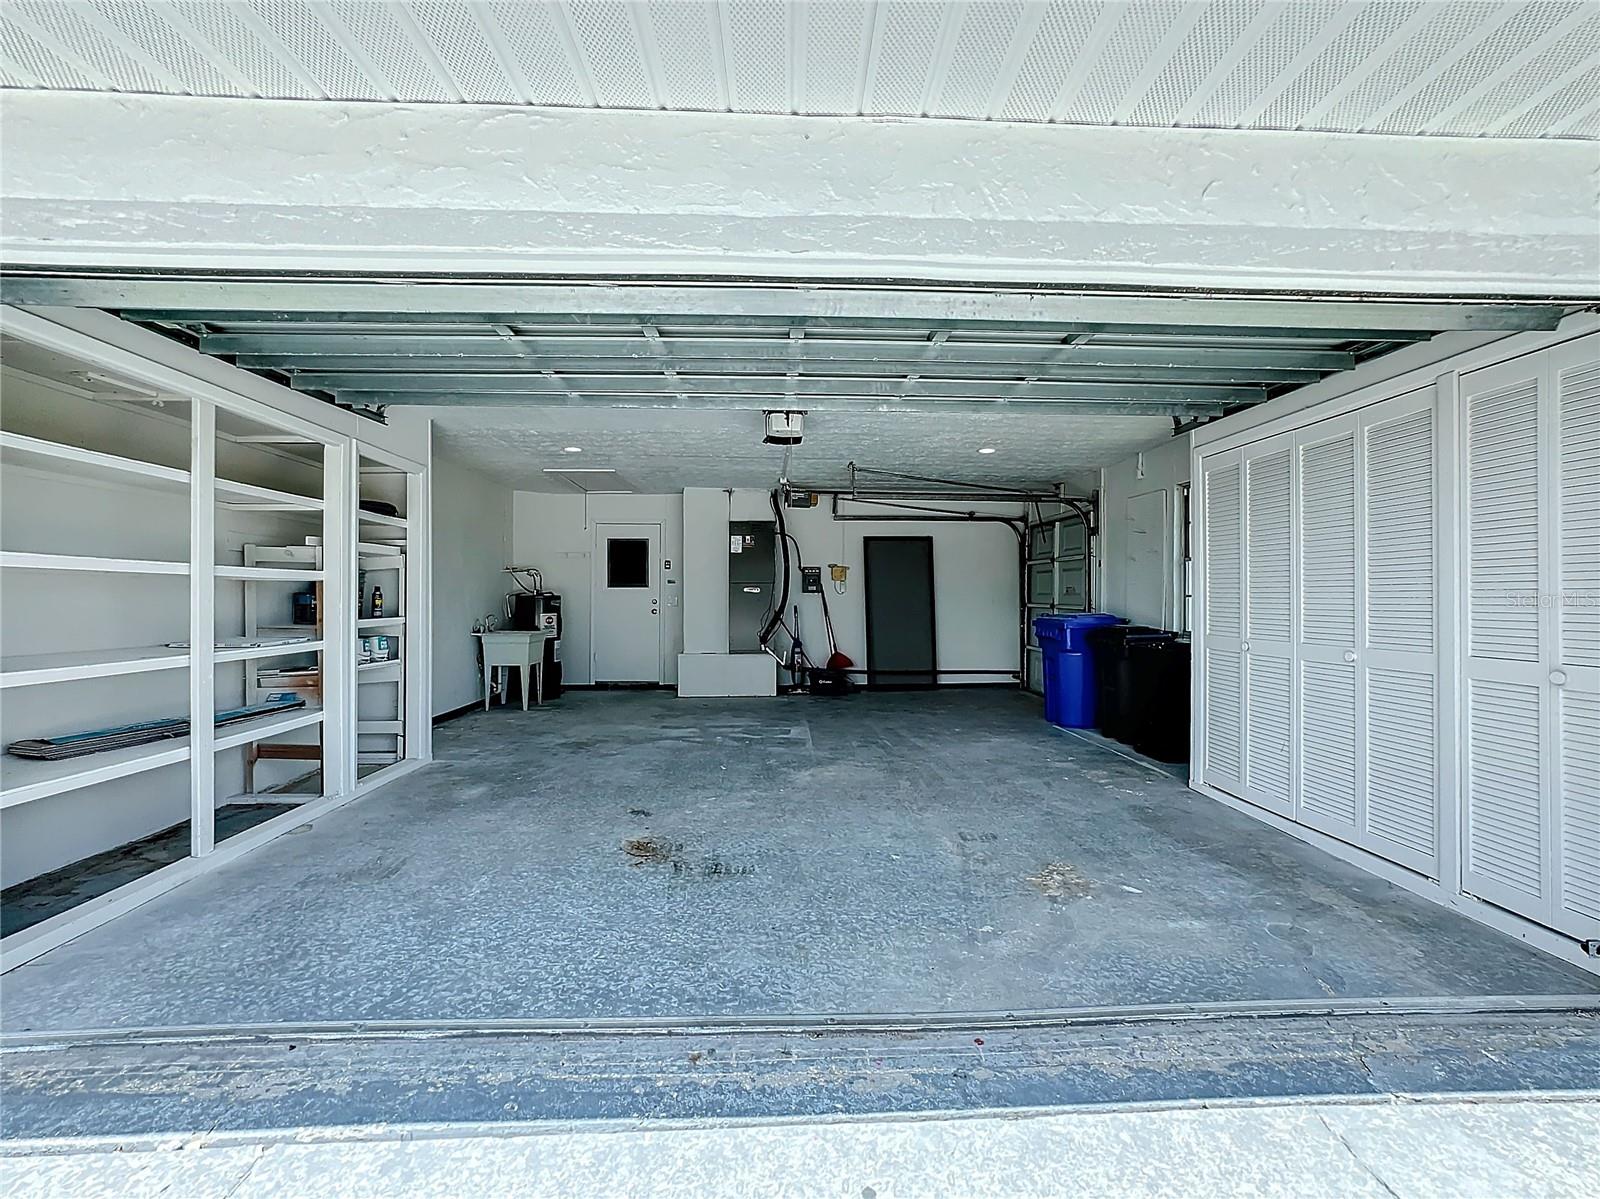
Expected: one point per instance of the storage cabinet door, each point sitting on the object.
(1506, 836)
(1268, 644)
(1574, 678)
(1329, 766)
(1222, 701)
(1397, 663)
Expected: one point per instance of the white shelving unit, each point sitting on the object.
(382, 546)
(184, 482)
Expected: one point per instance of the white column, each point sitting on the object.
(338, 618)
(202, 627)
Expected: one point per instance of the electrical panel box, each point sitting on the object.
(811, 580)
(752, 573)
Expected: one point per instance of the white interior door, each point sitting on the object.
(1268, 644)
(625, 621)
(1221, 703)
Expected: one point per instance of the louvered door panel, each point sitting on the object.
(1574, 728)
(1578, 502)
(1328, 748)
(1502, 513)
(1268, 550)
(1268, 613)
(1222, 592)
(1400, 531)
(1329, 770)
(1508, 803)
(1397, 661)
(1224, 550)
(1578, 815)
(1223, 710)
(1328, 541)
(1402, 746)
(1267, 732)
(1505, 840)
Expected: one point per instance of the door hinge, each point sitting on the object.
(1592, 948)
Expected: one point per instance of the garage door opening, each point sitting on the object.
(795, 768)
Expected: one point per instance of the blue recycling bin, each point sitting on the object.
(1069, 675)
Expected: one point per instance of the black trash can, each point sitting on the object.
(1116, 682)
(1164, 732)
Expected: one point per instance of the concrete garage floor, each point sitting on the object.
(638, 855)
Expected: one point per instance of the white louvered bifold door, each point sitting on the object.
(1397, 660)
(1222, 597)
(1573, 727)
(1268, 643)
(1505, 839)
(1328, 766)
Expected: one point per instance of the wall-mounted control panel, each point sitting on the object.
(811, 580)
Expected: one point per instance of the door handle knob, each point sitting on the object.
(1349, 655)
(1244, 647)
(1558, 677)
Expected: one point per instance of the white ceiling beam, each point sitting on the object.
(576, 192)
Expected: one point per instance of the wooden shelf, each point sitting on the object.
(27, 670)
(268, 574)
(376, 518)
(263, 727)
(282, 649)
(27, 780)
(20, 560)
(17, 449)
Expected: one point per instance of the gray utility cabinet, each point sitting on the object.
(752, 572)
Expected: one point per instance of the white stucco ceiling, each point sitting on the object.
(663, 451)
(1452, 67)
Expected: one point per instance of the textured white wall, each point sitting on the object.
(975, 582)
(1133, 581)
(471, 549)
(183, 180)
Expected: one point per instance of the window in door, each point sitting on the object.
(628, 562)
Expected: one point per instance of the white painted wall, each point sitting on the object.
(975, 580)
(472, 546)
(556, 533)
(1139, 550)
(565, 191)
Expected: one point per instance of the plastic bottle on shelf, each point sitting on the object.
(377, 603)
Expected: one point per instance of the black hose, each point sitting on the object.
(783, 598)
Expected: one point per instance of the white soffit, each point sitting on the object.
(1435, 67)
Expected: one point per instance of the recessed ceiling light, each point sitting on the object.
(572, 449)
(988, 449)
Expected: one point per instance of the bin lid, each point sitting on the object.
(1066, 620)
